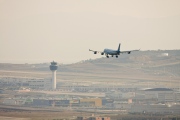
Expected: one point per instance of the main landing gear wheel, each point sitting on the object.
(107, 56)
(116, 56)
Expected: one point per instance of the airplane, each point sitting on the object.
(117, 52)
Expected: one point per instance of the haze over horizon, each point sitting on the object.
(37, 31)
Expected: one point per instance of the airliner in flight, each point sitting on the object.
(117, 52)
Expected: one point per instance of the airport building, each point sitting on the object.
(39, 83)
(33, 83)
(93, 118)
(56, 102)
(46, 84)
(153, 93)
(91, 102)
(120, 95)
(17, 101)
(166, 97)
(177, 96)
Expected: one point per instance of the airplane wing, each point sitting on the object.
(128, 52)
(95, 52)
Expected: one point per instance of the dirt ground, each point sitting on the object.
(38, 115)
(12, 118)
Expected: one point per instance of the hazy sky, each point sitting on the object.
(34, 31)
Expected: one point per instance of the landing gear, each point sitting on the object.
(111, 55)
(107, 56)
(116, 56)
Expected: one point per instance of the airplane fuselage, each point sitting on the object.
(110, 52)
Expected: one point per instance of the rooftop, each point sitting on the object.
(159, 89)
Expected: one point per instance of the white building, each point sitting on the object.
(177, 97)
(40, 83)
(162, 94)
(10, 101)
(34, 83)
(166, 97)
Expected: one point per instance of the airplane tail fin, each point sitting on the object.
(119, 47)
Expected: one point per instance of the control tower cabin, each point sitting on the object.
(53, 67)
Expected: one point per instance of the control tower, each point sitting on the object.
(53, 67)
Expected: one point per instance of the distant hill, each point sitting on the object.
(160, 65)
(148, 61)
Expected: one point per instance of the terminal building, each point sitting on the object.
(39, 83)
(157, 96)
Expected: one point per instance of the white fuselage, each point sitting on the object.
(110, 52)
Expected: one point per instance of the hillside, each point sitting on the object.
(161, 63)
(153, 66)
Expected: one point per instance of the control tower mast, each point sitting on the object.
(53, 67)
